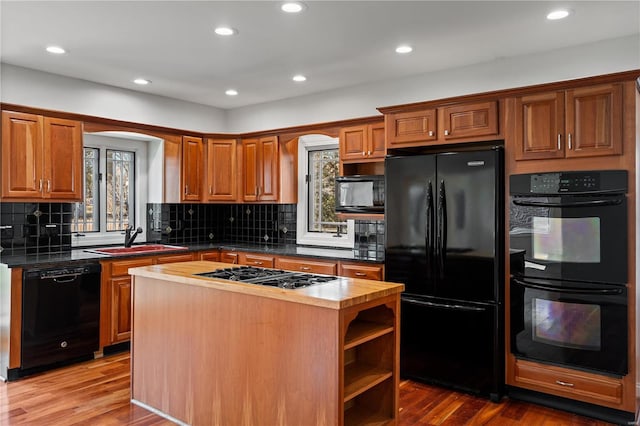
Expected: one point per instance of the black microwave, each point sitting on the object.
(360, 194)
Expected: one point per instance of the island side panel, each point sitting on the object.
(207, 356)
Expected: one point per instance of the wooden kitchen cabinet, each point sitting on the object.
(222, 170)
(368, 271)
(581, 122)
(212, 255)
(115, 297)
(41, 158)
(115, 300)
(448, 124)
(192, 168)
(307, 265)
(259, 260)
(260, 169)
(362, 143)
(229, 257)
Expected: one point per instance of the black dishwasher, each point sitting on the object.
(60, 314)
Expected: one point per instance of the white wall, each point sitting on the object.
(23, 86)
(605, 57)
(38, 89)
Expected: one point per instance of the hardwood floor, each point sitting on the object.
(97, 393)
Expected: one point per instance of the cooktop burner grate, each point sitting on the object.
(271, 277)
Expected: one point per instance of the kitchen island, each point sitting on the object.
(209, 351)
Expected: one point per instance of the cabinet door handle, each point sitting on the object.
(305, 268)
(360, 274)
(431, 132)
(559, 141)
(364, 153)
(569, 141)
(210, 192)
(567, 384)
(186, 189)
(40, 187)
(48, 185)
(368, 152)
(446, 133)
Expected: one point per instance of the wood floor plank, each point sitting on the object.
(98, 393)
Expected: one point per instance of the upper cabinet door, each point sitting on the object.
(63, 159)
(21, 155)
(250, 169)
(377, 145)
(594, 121)
(470, 120)
(411, 128)
(353, 143)
(192, 168)
(539, 124)
(268, 169)
(221, 170)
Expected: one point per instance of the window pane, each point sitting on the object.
(120, 185)
(86, 216)
(323, 169)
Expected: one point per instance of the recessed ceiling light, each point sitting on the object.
(292, 7)
(142, 81)
(225, 31)
(231, 92)
(404, 49)
(56, 50)
(299, 78)
(557, 14)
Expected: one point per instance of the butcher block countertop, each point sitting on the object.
(337, 294)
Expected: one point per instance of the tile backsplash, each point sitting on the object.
(270, 224)
(32, 228)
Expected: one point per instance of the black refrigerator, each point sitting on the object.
(444, 239)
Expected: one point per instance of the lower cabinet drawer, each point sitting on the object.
(304, 265)
(570, 384)
(121, 267)
(175, 258)
(257, 260)
(359, 270)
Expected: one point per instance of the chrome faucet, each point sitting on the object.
(128, 237)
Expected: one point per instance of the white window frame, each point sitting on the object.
(139, 147)
(303, 236)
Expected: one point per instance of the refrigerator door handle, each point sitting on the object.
(429, 225)
(443, 305)
(442, 229)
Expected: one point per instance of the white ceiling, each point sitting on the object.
(334, 43)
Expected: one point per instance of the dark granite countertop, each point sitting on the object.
(82, 255)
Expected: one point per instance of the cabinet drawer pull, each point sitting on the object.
(559, 141)
(567, 384)
(368, 152)
(446, 133)
(430, 132)
(360, 274)
(569, 141)
(305, 268)
(255, 262)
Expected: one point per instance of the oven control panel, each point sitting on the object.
(578, 182)
(556, 183)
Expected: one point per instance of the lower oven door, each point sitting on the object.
(579, 325)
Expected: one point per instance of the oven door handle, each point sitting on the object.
(443, 305)
(556, 289)
(592, 203)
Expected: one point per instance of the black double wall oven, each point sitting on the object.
(568, 293)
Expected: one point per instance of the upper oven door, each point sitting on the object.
(570, 237)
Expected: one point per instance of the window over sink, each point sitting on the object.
(317, 222)
(115, 190)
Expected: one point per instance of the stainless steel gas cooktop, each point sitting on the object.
(271, 277)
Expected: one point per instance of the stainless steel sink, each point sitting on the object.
(137, 249)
